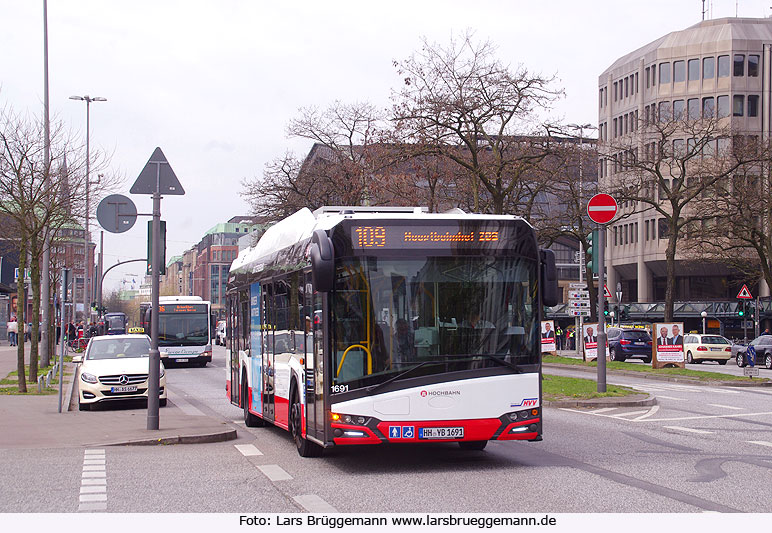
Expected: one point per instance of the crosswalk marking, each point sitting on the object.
(648, 413)
(93, 484)
(689, 430)
(274, 472)
(248, 449)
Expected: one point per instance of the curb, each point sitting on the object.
(220, 436)
(637, 401)
(657, 377)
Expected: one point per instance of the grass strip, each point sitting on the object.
(647, 369)
(556, 388)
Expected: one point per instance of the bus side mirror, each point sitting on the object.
(322, 261)
(549, 278)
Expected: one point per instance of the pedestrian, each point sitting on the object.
(13, 331)
(28, 332)
(559, 337)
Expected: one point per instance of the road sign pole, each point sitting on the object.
(63, 329)
(601, 307)
(745, 325)
(155, 355)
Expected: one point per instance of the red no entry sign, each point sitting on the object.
(601, 208)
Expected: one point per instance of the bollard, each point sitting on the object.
(48, 380)
(40, 385)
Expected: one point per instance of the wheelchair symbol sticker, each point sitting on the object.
(408, 432)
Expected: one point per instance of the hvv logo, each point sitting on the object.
(527, 402)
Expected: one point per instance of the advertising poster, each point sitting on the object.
(256, 344)
(590, 340)
(669, 343)
(548, 336)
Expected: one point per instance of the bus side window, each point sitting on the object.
(244, 319)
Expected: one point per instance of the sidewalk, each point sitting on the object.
(34, 421)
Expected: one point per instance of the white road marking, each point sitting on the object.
(705, 417)
(671, 398)
(184, 405)
(722, 391)
(726, 406)
(648, 413)
(760, 442)
(689, 430)
(314, 504)
(248, 449)
(274, 472)
(604, 410)
(622, 415)
(93, 484)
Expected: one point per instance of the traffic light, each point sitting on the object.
(624, 312)
(592, 251)
(740, 312)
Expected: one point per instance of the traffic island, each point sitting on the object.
(561, 391)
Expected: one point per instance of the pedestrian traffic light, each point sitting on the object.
(740, 312)
(592, 251)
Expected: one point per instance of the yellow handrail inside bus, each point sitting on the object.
(369, 358)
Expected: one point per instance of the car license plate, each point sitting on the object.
(126, 388)
(183, 360)
(638, 343)
(716, 349)
(441, 433)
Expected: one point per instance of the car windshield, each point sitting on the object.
(714, 339)
(113, 348)
(637, 335)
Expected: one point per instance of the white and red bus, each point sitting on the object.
(374, 325)
(185, 329)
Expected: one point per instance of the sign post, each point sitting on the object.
(601, 209)
(156, 178)
(745, 295)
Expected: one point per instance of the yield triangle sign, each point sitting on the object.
(744, 293)
(157, 174)
(606, 293)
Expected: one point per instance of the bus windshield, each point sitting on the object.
(189, 329)
(445, 314)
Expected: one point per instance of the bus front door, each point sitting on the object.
(269, 411)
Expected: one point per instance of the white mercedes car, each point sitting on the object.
(116, 367)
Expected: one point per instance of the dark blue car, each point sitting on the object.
(629, 344)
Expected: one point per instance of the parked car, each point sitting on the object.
(116, 368)
(699, 348)
(763, 346)
(626, 344)
(219, 336)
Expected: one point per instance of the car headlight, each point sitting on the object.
(88, 378)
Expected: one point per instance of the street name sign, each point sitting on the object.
(579, 303)
(575, 285)
(752, 371)
(579, 295)
(602, 208)
(578, 312)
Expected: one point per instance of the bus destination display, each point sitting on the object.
(375, 237)
(182, 308)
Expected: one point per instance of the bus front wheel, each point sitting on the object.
(305, 447)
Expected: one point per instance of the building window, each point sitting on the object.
(708, 68)
(616, 241)
(635, 232)
(693, 108)
(653, 75)
(646, 225)
(753, 105)
(627, 87)
(753, 66)
(678, 109)
(626, 123)
(627, 232)
(665, 112)
(615, 90)
(636, 83)
(679, 71)
(739, 65)
(723, 106)
(664, 73)
(723, 66)
(679, 148)
(694, 69)
(708, 107)
(737, 105)
(647, 78)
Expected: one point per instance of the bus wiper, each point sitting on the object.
(502, 362)
(374, 388)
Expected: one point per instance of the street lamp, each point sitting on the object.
(704, 314)
(88, 99)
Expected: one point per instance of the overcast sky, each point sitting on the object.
(214, 83)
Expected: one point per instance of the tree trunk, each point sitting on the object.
(35, 318)
(21, 303)
(671, 278)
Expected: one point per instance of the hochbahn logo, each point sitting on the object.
(425, 393)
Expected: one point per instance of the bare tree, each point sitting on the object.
(683, 158)
(478, 113)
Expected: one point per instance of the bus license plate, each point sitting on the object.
(441, 433)
(127, 388)
(184, 360)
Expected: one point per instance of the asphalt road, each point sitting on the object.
(701, 449)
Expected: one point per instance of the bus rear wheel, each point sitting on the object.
(473, 444)
(250, 420)
(305, 447)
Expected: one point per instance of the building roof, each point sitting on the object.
(707, 36)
